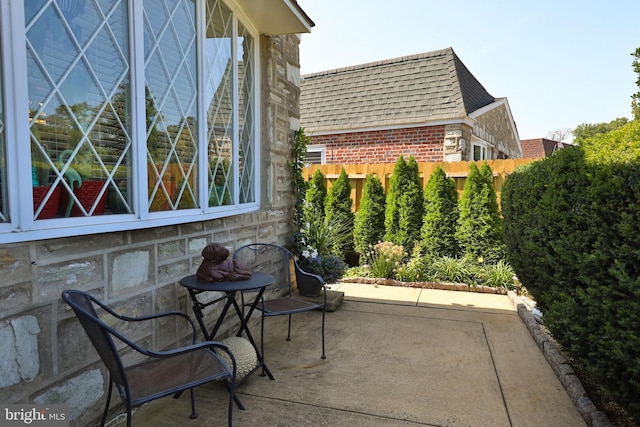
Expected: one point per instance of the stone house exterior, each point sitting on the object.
(187, 111)
(428, 106)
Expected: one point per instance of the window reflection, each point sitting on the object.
(219, 101)
(171, 107)
(79, 107)
(246, 115)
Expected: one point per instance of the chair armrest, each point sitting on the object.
(187, 349)
(310, 278)
(151, 317)
(300, 273)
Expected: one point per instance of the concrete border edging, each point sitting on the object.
(560, 366)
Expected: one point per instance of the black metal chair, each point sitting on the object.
(280, 299)
(161, 373)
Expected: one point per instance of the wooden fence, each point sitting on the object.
(457, 170)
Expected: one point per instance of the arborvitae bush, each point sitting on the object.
(410, 208)
(405, 205)
(339, 204)
(571, 226)
(316, 194)
(441, 216)
(479, 232)
(369, 220)
(392, 212)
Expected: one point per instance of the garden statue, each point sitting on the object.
(217, 266)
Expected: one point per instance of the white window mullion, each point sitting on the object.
(236, 126)
(139, 130)
(256, 122)
(16, 126)
(203, 158)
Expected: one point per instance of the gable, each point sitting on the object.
(419, 89)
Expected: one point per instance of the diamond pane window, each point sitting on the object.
(219, 101)
(79, 107)
(246, 119)
(171, 99)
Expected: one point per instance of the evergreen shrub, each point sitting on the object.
(404, 205)
(479, 231)
(440, 216)
(392, 213)
(338, 208)
(316, 194)
(368, 228)
(571, 226)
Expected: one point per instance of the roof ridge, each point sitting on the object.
(392, 61)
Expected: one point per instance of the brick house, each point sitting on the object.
(180, 115)
(428, 105)
(540, 147)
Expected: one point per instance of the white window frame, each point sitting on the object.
(485, 149)
(22, 226)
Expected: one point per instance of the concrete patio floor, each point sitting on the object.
(395, 357)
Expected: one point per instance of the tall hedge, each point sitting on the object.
(479, 232)
(316, 194)
(339, 204)
(392, 212)
(405, 205)
(368, 226)
(441, 216)
(571, 225)
(411, 208)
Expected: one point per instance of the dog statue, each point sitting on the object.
(217, 266)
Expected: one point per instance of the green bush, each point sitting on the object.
(410, 208)
(330, 267)
(416, 269)
(325, 236)
(368, 228)
(385, 259)
(392, 212)
(338, 202)
(479, 231)
(338, 208)
(404, 205)
(449, 269)
(498, 275)
(571, 227)
(316, 194)
(441, 216)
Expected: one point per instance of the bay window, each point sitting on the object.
(137, 114)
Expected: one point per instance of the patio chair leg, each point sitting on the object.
(106, 406)
(232, 397)
(128, 415)
(289, 332)
(194, 414)
(324, 356)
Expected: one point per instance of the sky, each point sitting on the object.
(559, 63)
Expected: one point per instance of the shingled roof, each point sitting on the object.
(413, 89)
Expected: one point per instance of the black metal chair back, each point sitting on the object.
(98, 333)
(281, 297)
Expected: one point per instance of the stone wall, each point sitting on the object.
(425, 144)
(45, 357)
